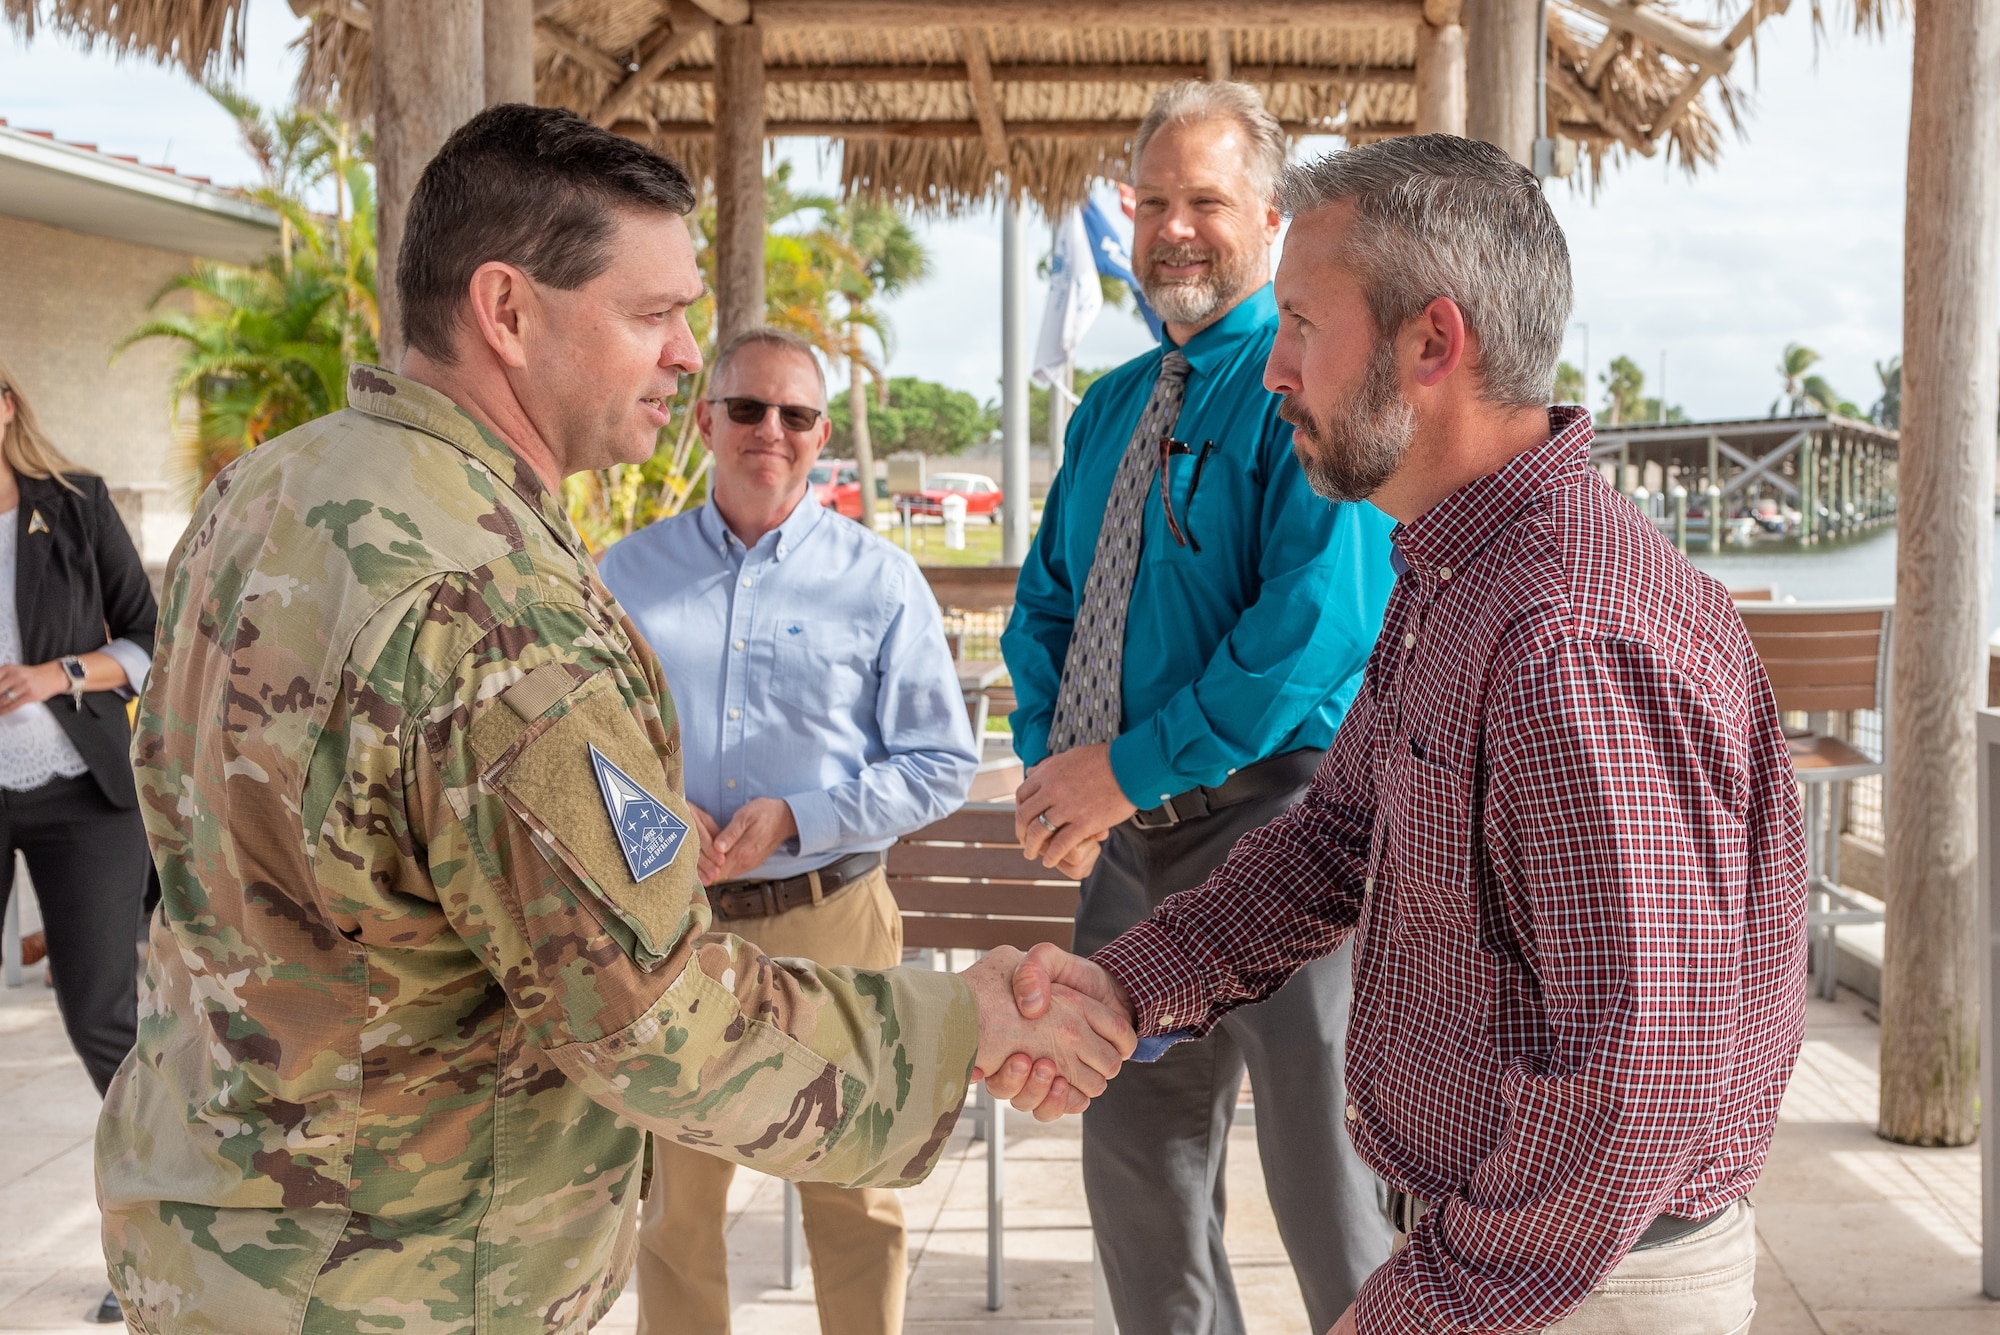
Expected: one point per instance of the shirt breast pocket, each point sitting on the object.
(820, 668)
(1426, 842)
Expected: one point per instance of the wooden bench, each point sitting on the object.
(962, 884)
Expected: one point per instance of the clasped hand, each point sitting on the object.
(1053, 1028)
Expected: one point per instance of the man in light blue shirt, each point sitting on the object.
(821, 718)
(1188, 631)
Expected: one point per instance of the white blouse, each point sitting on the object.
(33, 747)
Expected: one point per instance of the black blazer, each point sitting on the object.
(79, 583)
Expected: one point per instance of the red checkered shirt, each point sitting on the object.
(1561, 823)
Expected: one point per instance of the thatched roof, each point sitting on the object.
(919, 93)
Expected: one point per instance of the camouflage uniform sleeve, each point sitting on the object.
(830, 1074)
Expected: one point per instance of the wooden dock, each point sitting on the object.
(1817, 478)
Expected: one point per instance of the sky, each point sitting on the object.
(1796, 235)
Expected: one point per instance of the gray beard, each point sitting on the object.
(1194, 302)
(1362, 442)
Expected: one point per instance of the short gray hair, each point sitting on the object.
(1439, 216)
(1195, 100)
(764, 335)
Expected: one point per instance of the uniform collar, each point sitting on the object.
(1213, 345)
(394, 398)
(1450, 533)
(781, 541)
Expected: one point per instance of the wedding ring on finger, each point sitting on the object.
(1041, 817)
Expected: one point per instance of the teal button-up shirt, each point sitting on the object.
(1252, 646)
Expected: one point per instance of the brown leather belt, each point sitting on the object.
(1273, 776)
(735, 900)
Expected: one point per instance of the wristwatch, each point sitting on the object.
(72, 667)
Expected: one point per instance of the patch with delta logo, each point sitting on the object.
(649, 835)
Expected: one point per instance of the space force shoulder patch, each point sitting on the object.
(649, 835)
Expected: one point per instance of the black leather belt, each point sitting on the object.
(1405, 1210)
(734, 900)
(1271, 777)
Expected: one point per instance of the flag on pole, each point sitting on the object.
(1114, 257)
(1074, 298)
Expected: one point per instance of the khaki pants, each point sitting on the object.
(859, 1256)
(1702, 1284)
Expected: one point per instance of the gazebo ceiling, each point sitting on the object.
(923, 95)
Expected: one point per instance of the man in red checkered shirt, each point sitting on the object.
(1559, 819)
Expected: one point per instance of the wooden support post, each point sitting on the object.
(1441, 70)
(1808, 500)
(429, 80)
(1951, 312)
(1500, 74)
(1219, 65)
(739, 179)
(1714, 516)
(1679, 495)
(508, 27)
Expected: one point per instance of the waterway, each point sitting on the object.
(1863, 567)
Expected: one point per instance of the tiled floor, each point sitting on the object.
(1860, 1237)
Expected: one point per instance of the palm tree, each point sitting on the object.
(1792, 368)
(266, 347)
(889, 258)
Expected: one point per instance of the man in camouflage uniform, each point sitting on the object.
(430, 963)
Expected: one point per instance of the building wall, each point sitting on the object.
(66, 299)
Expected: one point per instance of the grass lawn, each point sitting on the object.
(926, 543)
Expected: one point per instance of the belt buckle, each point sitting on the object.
(1143, 821)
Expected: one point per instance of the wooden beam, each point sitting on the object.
(725, 11)
(578, 50)
(1670, 35)
(1077, 129)
(985, 98)
(1601, 57)
(1571, 90)
(661, 47)
(1397, 75)
(739, 179)
(1146, 15)
(1218, 55)
(1699, 75)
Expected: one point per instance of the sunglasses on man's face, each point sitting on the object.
(749, 412)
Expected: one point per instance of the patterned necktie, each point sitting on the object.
(1090, 706)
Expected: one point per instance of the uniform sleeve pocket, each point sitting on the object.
(585, 821)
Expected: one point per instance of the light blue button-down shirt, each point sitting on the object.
(811, 667)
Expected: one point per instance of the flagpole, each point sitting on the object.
(1061, 390)
(1014, 355)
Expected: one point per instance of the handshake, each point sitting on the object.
(1053, 1028)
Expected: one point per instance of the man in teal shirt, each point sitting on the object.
(1182, 653)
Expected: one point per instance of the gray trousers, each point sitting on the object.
(1155, 1144)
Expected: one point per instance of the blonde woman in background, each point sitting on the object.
(76, 642)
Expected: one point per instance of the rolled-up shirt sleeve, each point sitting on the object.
(138, 665)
